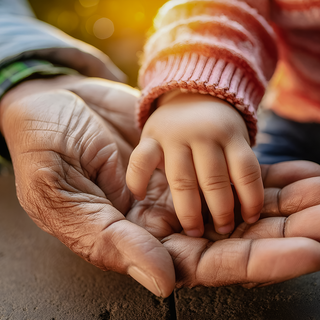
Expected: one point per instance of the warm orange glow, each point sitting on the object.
(117, 27)
(68, 21)
(88, 3)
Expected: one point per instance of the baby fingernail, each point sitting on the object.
(253, 219)
(147, 281)
(226, 229)
(195, 233)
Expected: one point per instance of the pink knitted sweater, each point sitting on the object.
(231, 49)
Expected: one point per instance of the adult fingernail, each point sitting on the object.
(253, 219)
(225, 229)
(147, 281)
(195, 233)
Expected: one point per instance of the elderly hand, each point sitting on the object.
(282, 246)
(70, 139)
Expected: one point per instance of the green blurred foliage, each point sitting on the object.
(117, 27)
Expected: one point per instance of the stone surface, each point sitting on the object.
(297, 299)
(42, 279)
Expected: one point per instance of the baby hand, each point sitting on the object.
(201, 142)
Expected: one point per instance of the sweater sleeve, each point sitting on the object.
(22, 36)
(225, 48)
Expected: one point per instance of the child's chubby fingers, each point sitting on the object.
(245, 173)
(144, 159)
(184, 188)
(214, 181)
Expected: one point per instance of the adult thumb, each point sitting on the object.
(126, 248)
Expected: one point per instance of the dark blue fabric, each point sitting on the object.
(281, 140)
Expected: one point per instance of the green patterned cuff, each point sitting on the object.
(18, 71)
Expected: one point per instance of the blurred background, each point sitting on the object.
(117, 27)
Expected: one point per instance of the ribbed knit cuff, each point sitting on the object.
(199, 74)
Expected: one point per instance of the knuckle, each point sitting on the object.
(225, 216)
(213, 183)
(290, 206)
(249, 176)
(189, 221)
(138, 166)
(182, 184)
(256, 207)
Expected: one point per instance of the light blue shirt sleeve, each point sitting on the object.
(16, 7)
(22, 36)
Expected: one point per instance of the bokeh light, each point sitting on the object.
(103, 28)
(116, 27)
(139, 16)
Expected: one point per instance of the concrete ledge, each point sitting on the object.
(42, 279)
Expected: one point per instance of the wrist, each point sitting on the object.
(178, 95)
(210, 109)
(17, 72)
(33, 86)
(11, 106)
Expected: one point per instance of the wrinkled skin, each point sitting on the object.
(70, 139)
